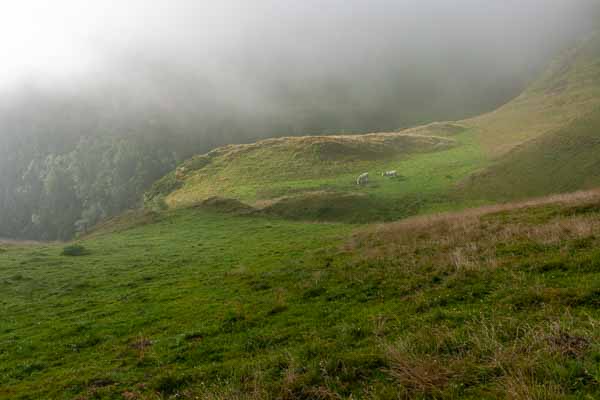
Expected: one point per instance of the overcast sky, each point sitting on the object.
(276, 54)
(71, 36)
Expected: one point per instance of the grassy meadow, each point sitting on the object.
(263, 271)
(498, 302)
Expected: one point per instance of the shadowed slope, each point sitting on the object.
(561, 161)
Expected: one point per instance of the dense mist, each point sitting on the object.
(100, 98)
(310, 65)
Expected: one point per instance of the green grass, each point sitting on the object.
(559, 162)
(568, 89)
(206, 297)
(279, 167)
(195, 304)
(540, 143)
(68, 322)
(314, 178)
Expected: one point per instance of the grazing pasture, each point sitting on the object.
(184, 304)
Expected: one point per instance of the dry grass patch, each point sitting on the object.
(470, 240)
(418, 373)
(512, 358)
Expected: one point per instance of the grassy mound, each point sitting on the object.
(255, 171)
(489, 303)
(314, 178)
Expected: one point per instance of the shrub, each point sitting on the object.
(74, 250)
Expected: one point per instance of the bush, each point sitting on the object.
(74, 250)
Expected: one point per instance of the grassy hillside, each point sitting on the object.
(502, 155)
(568, 90)
(558, 162)
(244, 280)
(491, 303)
(315, 177)
(557, 121)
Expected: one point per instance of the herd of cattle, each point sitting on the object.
(363, 179)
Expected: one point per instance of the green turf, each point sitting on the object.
(67, 322)
(296, 181)
(223, 300)
(198, 304)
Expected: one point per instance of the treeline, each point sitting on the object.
(69, 161)
(56, 196)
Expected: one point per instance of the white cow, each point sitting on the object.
(363, 179)
(390, 174)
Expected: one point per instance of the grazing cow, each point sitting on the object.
(390, 174)
(363, 179)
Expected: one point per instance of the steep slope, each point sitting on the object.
(548, 139)
(489, 302)
(569, 89)
(560, 161)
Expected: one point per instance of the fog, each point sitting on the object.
(178, 77)
(328, 64)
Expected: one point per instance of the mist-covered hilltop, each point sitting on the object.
(98, 105)
(545, 141)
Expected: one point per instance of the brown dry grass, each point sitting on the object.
(517, 365)
(510, 355)
(468, 240)
(418, 373)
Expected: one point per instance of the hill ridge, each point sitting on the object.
(439, 163)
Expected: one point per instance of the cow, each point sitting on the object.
(363, 179)
(390, 174)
